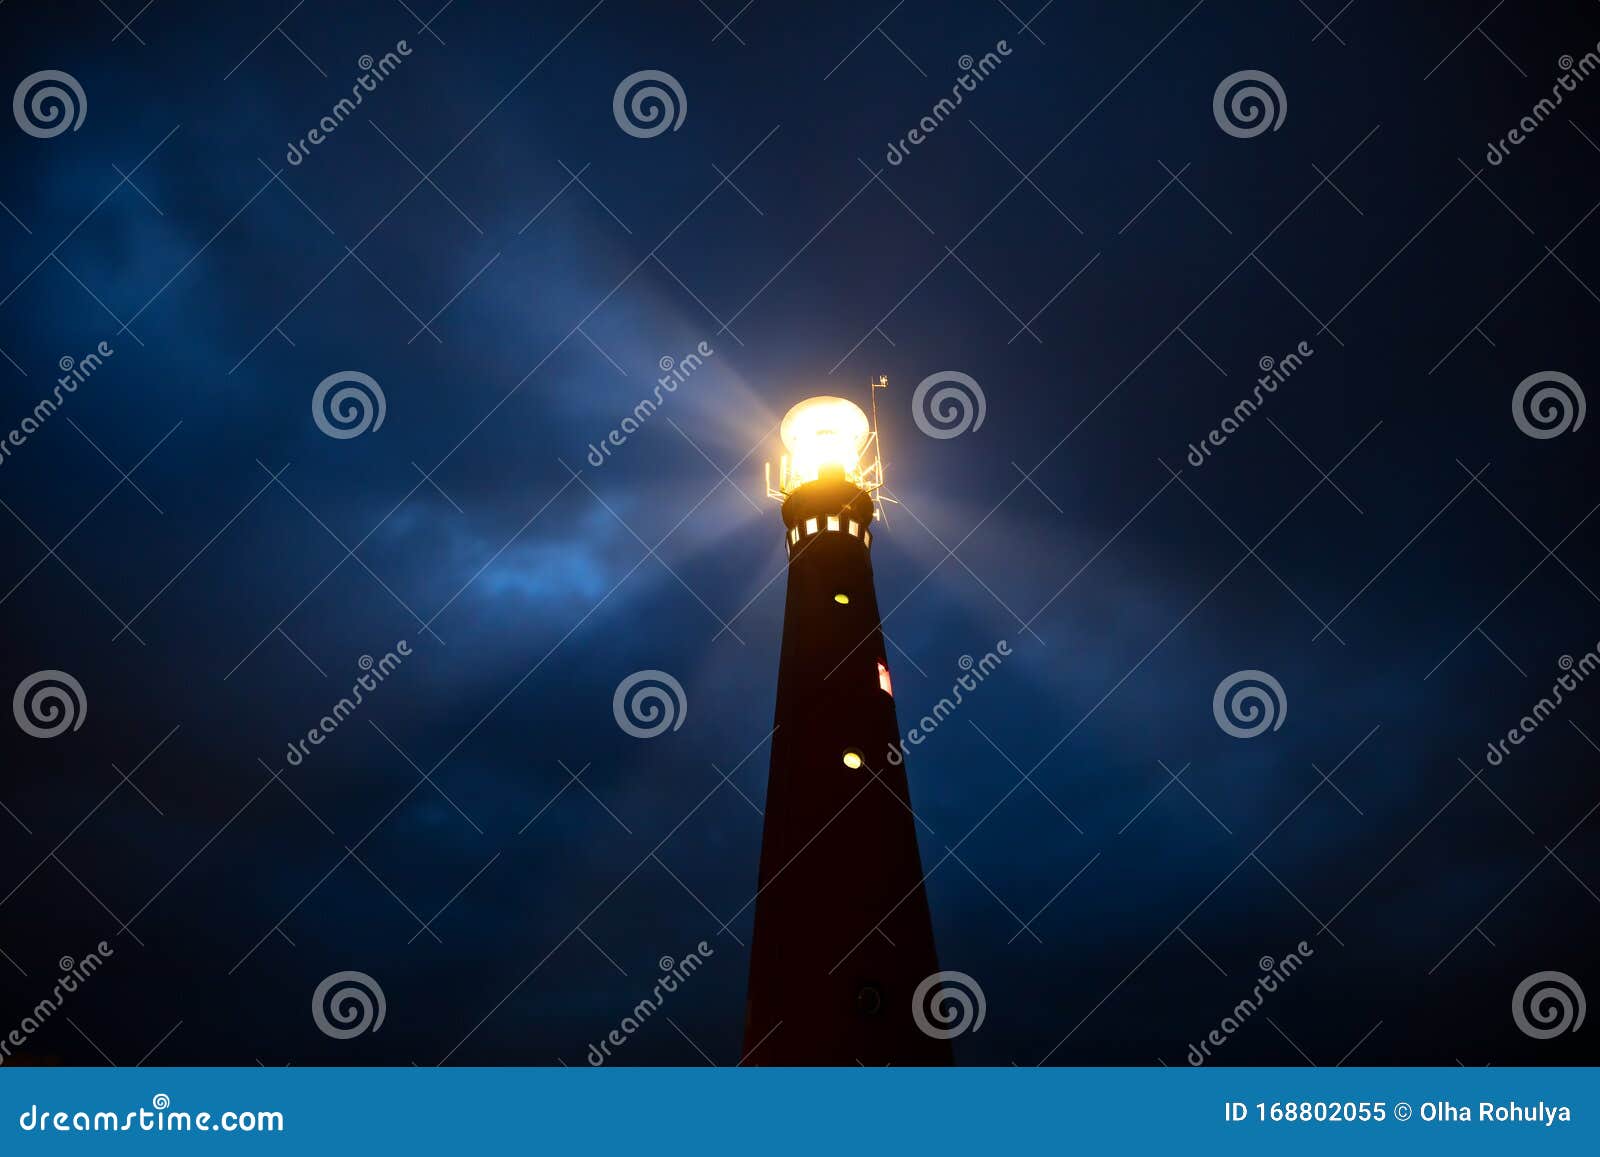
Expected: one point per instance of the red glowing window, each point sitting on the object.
(883, 679)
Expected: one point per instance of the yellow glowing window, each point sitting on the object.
(866, 537)
(842, 599)
(833, 522)
(883, 679)
(811, 526)
(855, 528)
(852, 759)
(794, 535)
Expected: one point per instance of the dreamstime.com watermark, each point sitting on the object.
(159, 1118)
(73, 973)
(1575, 672)
(1248, 702)
(373, 73)
(948, 404)
(1548, 1004)
(1572, 72)
(673, 973)
(973, 72)
(978, 671)
(376, 672)
(648, 702)
(1273, 973)
(348, 1004)
(1548, 404)
(49, 703)
(74, 372)
(947, 1004)
(1248, 103)
(49, 103)
(648, 103)
(1273, 374)
(674, 372)
(347, 404)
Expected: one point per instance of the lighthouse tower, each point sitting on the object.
(843, 937)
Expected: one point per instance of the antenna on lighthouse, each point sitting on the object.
(878, 497)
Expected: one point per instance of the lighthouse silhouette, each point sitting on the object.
(843, 938)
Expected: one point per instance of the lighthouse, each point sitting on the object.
(842, 936)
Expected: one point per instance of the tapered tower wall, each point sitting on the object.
(842, 931)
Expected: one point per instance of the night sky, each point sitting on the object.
(1081, 237)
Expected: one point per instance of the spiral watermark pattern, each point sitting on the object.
(655, 105)
(948, 1004)
(647, 703)
(353, 410)
(950, 410)
(1548, 1004)
(1247, 703)
(1548, 404)
(48, 703)
(1248, 103)
(161, 1101)
(348, 1004)
(49, 103)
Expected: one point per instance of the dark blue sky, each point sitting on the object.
(1080, 236)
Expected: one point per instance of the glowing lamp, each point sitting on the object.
(822, 433)
(830, 440)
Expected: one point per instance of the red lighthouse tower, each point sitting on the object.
(843, 937)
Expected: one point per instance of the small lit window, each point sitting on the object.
(883, 679)
(833, 522)
(811, 526)
(852, 759)
(842, 599)
(794, 535)
(866, 537)
(855, 528)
